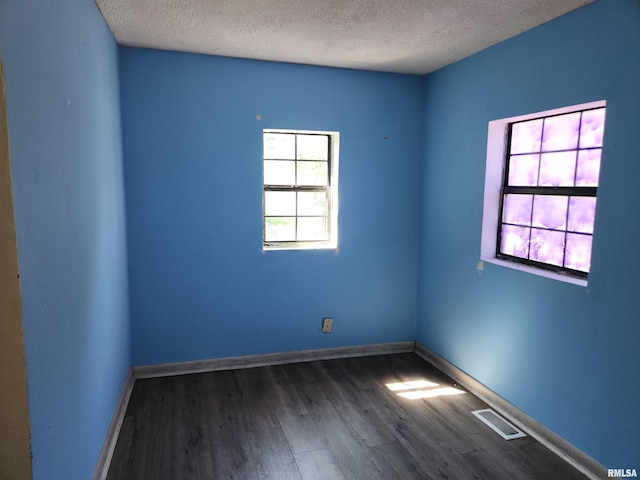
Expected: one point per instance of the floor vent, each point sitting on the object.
(499, 424)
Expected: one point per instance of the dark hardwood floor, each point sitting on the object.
(332, 419)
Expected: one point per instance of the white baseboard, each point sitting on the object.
(249, 361)
(104, 460)
(581, 461)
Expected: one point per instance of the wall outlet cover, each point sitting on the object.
(327, 324)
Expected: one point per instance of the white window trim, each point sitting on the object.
(494, 174)
(332, 244)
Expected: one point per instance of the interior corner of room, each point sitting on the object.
(133, 176)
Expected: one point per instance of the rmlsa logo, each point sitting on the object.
(622, 472)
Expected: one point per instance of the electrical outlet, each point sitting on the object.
(327, 324)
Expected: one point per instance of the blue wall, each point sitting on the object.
(61, 75)
(200, 285)
(411, 180)
(566, 355)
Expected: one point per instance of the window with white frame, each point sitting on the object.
(541, 207)
(300, 189)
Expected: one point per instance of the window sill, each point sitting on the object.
(299, 246)
(582, 282)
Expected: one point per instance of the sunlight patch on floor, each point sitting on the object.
(416, 389)
(394, 387)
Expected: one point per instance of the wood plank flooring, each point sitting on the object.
(324, 420)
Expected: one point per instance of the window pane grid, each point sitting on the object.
(549, 191)
(297, 165)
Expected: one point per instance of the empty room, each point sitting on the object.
(321, 240)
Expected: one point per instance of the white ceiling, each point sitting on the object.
(407, 36)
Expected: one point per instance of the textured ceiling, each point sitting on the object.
(407, 36)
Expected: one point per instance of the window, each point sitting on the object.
(544, 213)
(300, 189)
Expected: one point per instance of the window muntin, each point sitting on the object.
(548, 197)
(298, 196)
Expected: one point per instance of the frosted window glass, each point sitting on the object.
(515, 241)
(550, 211)
(523, 170)
(517, 209)
(578, 252)
(557, 169)
(588, 169)
(547, 246)
(561, 132)
(547, 185)
(592, 128)
(279, 203)
(582, 213)
(280, 146)
(526, 136)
